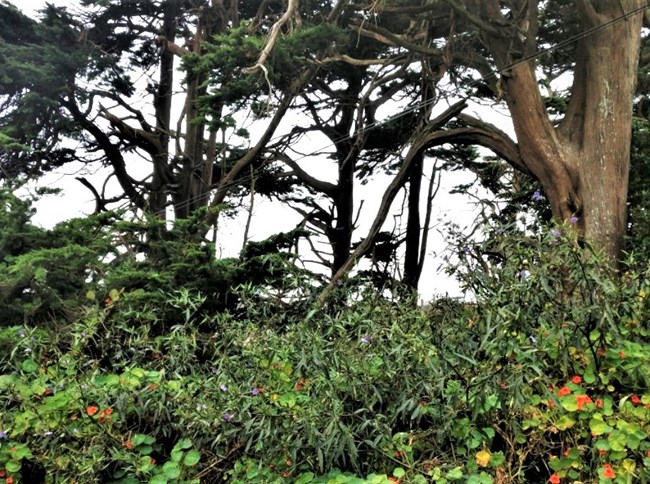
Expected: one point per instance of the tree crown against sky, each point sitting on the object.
(338, 63)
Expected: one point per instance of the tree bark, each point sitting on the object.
(583, 163)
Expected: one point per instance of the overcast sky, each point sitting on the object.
(271, 217)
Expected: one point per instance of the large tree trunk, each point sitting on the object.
(583, 163)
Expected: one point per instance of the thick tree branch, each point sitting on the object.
(385, 36)
(327, 188)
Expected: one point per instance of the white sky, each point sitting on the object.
(272, 217)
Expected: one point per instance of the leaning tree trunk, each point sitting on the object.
(583, 163)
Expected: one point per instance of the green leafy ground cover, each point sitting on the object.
(229, 373)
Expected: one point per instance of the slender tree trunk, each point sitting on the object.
(412, 242)
(162, 106)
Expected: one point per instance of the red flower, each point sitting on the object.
(621, 354)
(566, 452)
(9, 480)
(599, 403)
(152, 461)
(108, 411)
(392, 479)
(286, 474)
(91, 410)
(550, 403)
(608, 472)
(2, 473)
(648, 454)
(554, 479)
(635, 399)
(581, 400)
(602, 452)
(576, 379)
(564, 391)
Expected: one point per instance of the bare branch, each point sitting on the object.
(292, 8)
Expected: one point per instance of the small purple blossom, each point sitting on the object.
(466, 249)
(223, 388)
(228, 416)
(366, 339)
(537, 196)
(501, 231)
(255, 392)
(3, 434)
(555, 233)
(574, 220)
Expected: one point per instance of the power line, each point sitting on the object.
(424, 104)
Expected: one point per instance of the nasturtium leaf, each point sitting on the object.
(192, 457)
(13, 466)
(565, 422)
(598, 427)
(171, 470)
(158, 479)
(455, 474)
(398, 472)
(29, 366)
(305, 478)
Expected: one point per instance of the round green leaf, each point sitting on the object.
(171, 470)
(13, 466)
(192, 458)
(398, 472)
(158, 479)
(29, 366)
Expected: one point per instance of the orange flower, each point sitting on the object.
(393, 479)
(621, 354)
(564, 391)
(152, 387)
(581, 400)
(599, 403)
(550, 403)
(635, 399)
(91, 410)
(152, 461)
(566, 452)
(602, 452)
(108, 411)
(9, 480)
(554, 479)
(576, 379)
(648, 454)
(608, 472)
(286, 474)
(107, 300)
(128, 444)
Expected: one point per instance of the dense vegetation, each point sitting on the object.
(131, 352)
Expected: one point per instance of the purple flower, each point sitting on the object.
(223, 388)
(255, 392)
(537, 196)
(3, 434)
(228, 416)
(574, 220)
(366, 339)
(501, 231)
(555, 233)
